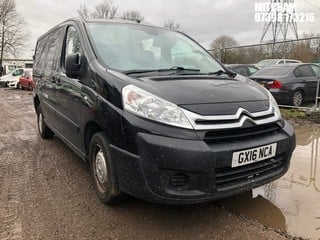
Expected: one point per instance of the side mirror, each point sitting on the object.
(73, 65)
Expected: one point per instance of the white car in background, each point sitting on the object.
(11, 77)
(13, 81)
(268, 62)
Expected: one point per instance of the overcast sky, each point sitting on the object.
(203, 20)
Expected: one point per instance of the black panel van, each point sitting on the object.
(154, 114)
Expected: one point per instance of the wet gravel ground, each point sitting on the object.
(46, 193)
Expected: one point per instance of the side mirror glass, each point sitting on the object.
(73, 65)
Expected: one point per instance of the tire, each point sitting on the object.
(297, 98)
(102, 170)
(30, 87)
(19, 86)
(44, 131)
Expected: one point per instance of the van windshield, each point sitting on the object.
(129, 47)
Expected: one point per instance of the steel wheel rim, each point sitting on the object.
(297, 99)
(100, 169)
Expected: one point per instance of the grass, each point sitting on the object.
(293, 113)
(296, 114)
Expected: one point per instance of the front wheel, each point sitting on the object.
(30, 87)
(297, 98)
(19, 86)
(102, 170)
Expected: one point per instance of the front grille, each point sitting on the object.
(230, 178)
(241, 134)
(230, 121)
(179, 180)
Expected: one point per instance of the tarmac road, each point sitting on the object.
(46, 193)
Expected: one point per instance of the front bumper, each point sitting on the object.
(179, 171)
(12, 84)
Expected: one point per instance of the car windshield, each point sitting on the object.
(132, 47)
(273, 71)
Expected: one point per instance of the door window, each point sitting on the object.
(304, 71)
(72, 44)
(252, 70)
(53, 46)
(316, 69)
(242, 71)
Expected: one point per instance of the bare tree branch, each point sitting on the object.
(219, 48)
(172, 25)
(83, 12)
(13, 34)
(105, 10)
(132, 15)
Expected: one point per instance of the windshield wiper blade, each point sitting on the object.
(137, 71)
(184, 69)
(174, 70)
(220, 72)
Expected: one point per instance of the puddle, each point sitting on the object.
(291, 203)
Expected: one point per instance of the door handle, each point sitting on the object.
(85, 101)
(56, 80)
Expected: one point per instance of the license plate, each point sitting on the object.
(253, 155)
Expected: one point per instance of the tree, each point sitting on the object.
(104, 10)
(13, 34)
(132, 15)
(172, 25)
(221, 48)
(83, 12)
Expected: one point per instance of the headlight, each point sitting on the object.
(274, 103)
(147, 105)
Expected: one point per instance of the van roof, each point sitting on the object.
(84, 21)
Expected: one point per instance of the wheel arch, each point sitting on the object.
(36, 102)
(299, 89)
(90, 129)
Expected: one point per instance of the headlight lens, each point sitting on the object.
(274, 104)
(147, 105)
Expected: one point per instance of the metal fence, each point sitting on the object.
(306, 50)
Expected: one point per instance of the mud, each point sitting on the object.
(46, 193)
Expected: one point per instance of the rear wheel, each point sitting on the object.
(44, 131)
(102, 170)
(297, 98)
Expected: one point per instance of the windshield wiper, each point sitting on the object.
(175, 70)
(137, 71)
(220, 72)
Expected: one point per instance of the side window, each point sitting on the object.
(316, 69)
(72, 43)
(252, 70)
(281, 62)
(304, 71)
(40, 54)
(52, 49)
(242, 71)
